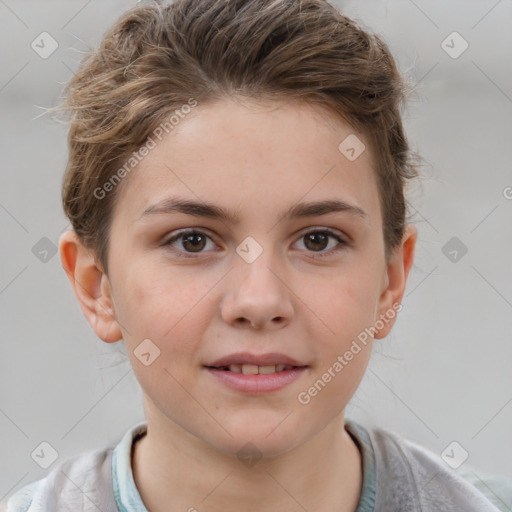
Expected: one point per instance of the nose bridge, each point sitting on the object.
(255, 272)
(257, 293)
(260, 267)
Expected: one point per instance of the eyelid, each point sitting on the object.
(313, 229)
(178, 232)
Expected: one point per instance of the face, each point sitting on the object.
(270, 282)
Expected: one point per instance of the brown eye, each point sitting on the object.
(193, 242)
(188, 243)
(318, 241)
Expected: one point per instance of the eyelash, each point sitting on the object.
(317, 255)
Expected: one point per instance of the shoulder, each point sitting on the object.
(21, 500)
(497, 488)
(411, 477)
(81, 482)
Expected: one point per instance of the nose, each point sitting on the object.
(257, 295)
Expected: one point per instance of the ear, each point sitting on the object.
(396, 278)
(91, 285)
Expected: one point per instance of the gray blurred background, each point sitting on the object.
(442, 375)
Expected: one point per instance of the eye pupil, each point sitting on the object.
(193, 236)
(314, 236)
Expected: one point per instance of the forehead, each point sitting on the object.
(255, 156)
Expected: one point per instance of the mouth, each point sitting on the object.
(252, 369)
(256, 374)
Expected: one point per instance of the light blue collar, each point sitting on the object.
(127, 496)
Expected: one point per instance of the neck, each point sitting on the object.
(175, 471)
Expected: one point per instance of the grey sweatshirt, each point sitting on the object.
(398, 476)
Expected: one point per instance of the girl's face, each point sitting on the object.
(241, 276)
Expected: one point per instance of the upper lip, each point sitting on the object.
(269, 359)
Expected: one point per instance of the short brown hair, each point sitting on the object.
(157, 57)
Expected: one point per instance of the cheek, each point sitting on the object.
(343, 348)
(163, 309)
(172, 318)
(344, 305)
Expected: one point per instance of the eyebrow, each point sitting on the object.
(204, 209)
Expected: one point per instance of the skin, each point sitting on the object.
(257, 160)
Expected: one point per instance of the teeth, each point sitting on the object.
(249, 369)
(252, 369)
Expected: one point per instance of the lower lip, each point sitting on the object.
(260, 383)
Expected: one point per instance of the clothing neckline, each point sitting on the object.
(128, 498)
(362, 440)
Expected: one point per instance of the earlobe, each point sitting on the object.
(396, 279)
(91, 286)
